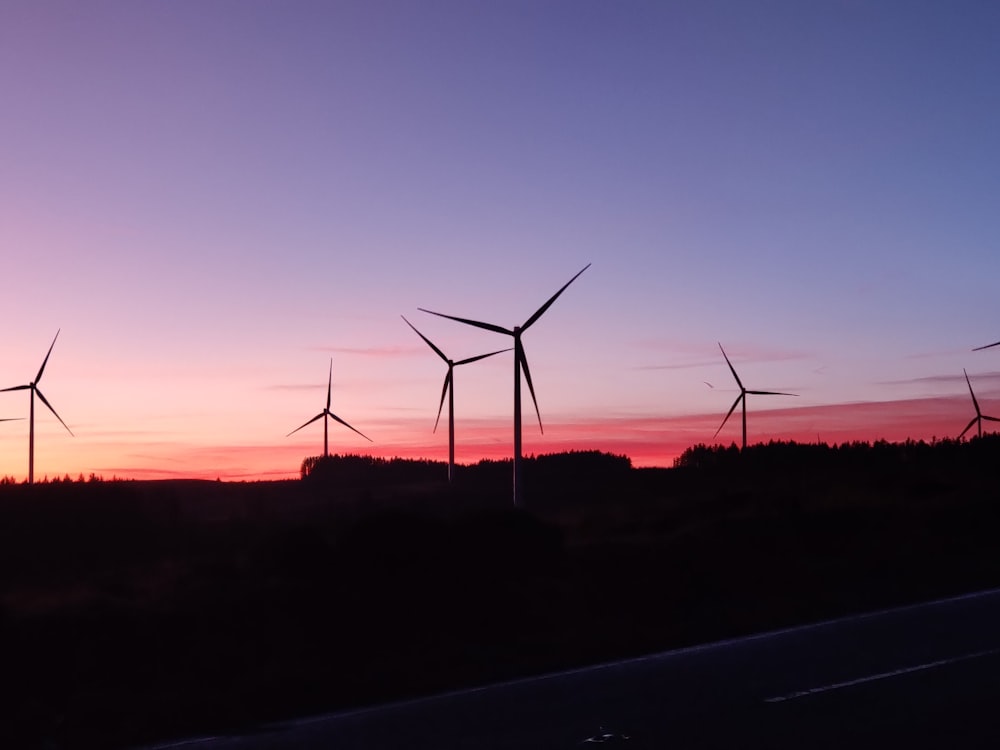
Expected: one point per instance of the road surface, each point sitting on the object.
(925, 676)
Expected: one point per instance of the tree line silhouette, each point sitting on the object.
(354, 470)
(855, 456)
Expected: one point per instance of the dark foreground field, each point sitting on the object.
(137, 611)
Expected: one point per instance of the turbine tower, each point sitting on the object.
(449, 391)
(978, 419)
(520, 361)
(327, 413)
(33, 387)
(743, 397)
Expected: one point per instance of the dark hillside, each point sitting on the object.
(132, 611)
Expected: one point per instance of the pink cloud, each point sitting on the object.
(707, 355)
(386, 352)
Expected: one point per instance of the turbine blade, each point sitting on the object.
(46, 360)
(318, 416)
(338, 419)
(482, 356)
(968, 427)
(531, 388)
(46, 402)
(728, 415)
(476, 323)
(427, 340)
(969, 383)
(990, 419)
(731, 369)
(988, 346)
(16, 419)
(553, 298)
(16, 388)
(444, 392)
(329, 385)
(770, 393)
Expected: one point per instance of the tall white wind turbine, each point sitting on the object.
(520, 362)
(449, 391)
(33, 387)
(743, 397)
(327, 413)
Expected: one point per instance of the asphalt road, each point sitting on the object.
(917, 677)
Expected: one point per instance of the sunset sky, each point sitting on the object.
(213, 198)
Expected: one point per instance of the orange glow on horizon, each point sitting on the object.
(648, 441)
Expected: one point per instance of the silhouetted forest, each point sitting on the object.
(572, 467)
(132, 611)
(851, 457)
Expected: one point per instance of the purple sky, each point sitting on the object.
(211, 199)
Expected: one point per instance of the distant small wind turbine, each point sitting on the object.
(743, 397)
(978, 419)
(988, 346)
(327, 413)
(33, 387)
(520, 361)
(449, 391)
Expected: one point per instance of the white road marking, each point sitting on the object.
(880, 676)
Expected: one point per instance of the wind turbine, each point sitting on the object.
(520, 361)
(449, 390)
(743, 397)
(327, 413)
(978, 419)
(33, 387)
(988, 346)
